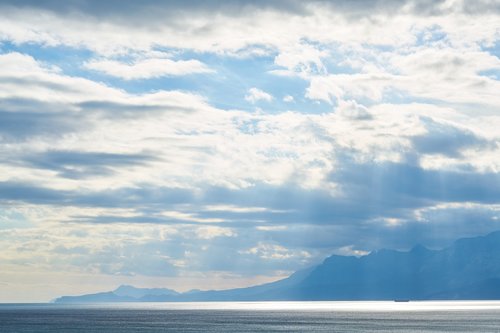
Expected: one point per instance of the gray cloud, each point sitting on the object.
(311, 220)
(23, 192)
(77, 165)
(387, 7)
(35, 82)
(382, 187)
(156, 13)
(369, 191)
(20, 126)
(114, 110)
(446, 139)
(392, 185)
(152, 12)
(481, 6)
(23, 119)
(153, 8)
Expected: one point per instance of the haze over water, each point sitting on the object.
(470, 316)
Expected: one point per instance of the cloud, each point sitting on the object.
(438, 73)
(403, 184)
(148, 68)
(255, 95)
(273, 252)
(126, 8)
(171, 248)
(352, 110)
(370, 86)
(210, 232)
(13, 191)
(391, 189)
(423, 72)
(107, 28)
(21, 126)
(49, 85)
(172, 178)
(304, 59)
(76, 165)
(447, 139)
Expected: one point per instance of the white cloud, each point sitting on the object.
(302, 58)
(255, 95)
(349, 250)
(148, 68)
(47, 84)
(288, 99)
(439, 73)
(275, 252)
(190, 217)
(228, 33)
(418, 72)
(235, 209)
(210, 232)
(349, 86)
(207, 145)
(351, 109)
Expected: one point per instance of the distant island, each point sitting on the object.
(469, 269)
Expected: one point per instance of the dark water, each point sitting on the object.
(249, 317)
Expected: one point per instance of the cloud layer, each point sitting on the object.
(166, 144)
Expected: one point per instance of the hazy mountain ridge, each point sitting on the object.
(469, 269)
(123, 293)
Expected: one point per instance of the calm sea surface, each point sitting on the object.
(253, 317)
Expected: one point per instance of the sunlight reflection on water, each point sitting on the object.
(349, 306)
(249, 317)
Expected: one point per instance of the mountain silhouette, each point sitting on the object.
(468, 269)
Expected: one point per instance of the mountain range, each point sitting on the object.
(468, 269)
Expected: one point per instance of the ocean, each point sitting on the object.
(464, 316)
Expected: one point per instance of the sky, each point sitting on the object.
(220, 144)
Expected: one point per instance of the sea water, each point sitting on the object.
(253, 317)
